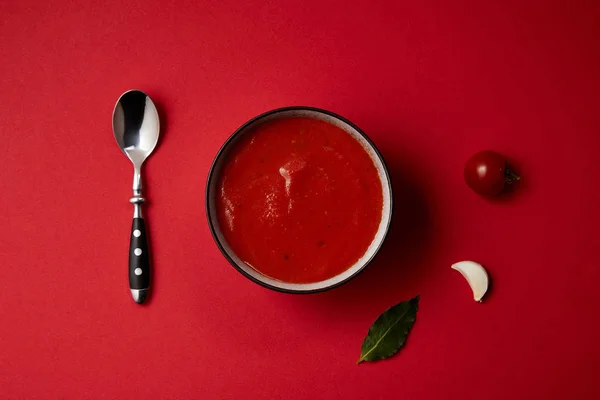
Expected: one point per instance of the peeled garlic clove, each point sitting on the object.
(475, 275)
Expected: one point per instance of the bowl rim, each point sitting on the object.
(220, 153)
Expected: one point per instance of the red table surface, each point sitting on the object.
(430, 82)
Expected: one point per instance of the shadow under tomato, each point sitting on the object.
(400, 264)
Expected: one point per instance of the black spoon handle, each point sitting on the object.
(139, 261)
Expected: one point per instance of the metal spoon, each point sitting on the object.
(136, 127)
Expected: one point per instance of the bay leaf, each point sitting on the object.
(389, 331)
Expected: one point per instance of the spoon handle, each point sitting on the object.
(139, 261)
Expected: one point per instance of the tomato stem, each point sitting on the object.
(511, 176)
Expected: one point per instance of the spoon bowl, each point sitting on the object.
(136, 125)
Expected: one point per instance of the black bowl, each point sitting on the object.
(251, 273)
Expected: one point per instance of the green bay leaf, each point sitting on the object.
(388, 333)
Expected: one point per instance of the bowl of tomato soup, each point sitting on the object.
(299, 200)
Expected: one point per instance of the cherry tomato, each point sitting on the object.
(487, 173)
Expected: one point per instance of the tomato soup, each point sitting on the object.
(299, 199)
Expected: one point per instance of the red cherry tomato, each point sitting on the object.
(486, 173)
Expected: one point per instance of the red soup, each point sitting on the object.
(299, 200)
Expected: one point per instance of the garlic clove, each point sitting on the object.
(476, 277)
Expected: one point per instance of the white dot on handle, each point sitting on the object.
(137, 252)
(138, 271)
(137, 233)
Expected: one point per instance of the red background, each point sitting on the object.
(430, 82)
